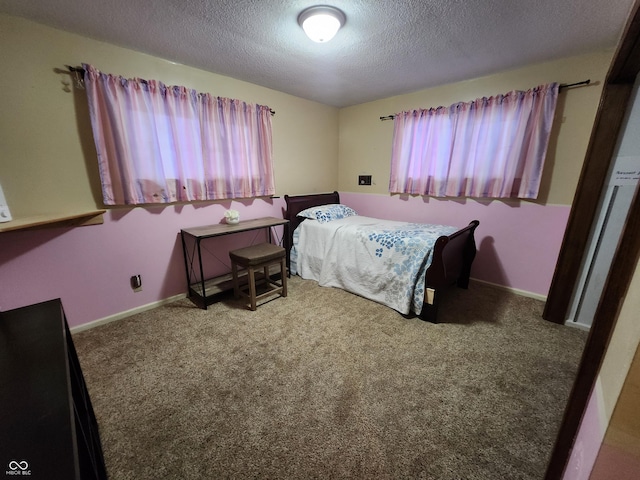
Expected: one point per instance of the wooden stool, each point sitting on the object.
(256, 257)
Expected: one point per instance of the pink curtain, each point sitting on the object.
(160, 144)
(491, 147)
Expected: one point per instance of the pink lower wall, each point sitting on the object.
(518, 244)
(587, 443)
(89, 267)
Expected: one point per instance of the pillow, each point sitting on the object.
(326, 213)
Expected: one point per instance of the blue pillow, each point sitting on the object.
(326, 213)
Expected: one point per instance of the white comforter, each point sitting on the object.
(381, 260)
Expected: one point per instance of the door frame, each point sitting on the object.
(614, 102)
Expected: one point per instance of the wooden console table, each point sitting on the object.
(202, 291)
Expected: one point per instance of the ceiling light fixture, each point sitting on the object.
(322, 22)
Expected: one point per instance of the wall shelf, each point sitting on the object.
(52, 220)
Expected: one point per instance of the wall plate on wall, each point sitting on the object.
(5, 214)
(364, 179)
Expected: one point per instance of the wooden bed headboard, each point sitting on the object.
(298, 203)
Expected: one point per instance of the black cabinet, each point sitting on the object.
(47, 426)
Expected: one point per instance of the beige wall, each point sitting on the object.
(624, 429)
(365, 140)
(47, 156)
(622, 347)
(611, 423)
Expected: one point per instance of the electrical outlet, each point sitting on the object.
(136, 283)
(364, 179)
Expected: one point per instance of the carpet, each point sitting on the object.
(325, 384)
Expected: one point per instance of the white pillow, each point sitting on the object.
(326, 213)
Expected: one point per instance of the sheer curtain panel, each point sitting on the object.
(163, 144)
(491, 147)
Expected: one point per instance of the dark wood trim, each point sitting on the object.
(617, 89)
(585, 203)
(618, 86)
(626, 64)
(604, 321)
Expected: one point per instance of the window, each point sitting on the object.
(491, 147)
(160, 144)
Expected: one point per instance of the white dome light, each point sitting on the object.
(321, 23)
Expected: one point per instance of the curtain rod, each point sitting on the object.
(81, 70)
(560, 87)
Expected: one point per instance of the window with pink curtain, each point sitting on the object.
(161, 144)
(491, 147)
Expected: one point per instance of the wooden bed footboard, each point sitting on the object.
(452, 259)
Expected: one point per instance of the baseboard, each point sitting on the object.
(126, 313)
(579, 326)
(536, 296)
(517, 291)
(149, 306)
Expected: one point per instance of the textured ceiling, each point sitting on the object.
(386, 48)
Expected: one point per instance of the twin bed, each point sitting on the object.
(405, 266)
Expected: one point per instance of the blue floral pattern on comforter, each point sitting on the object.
(382, 260)
(406, 253)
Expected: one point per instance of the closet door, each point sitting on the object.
(612, 213)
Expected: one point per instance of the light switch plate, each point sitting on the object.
(5, 214)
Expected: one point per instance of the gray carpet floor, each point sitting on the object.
(325, 384)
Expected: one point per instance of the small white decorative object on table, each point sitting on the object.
(232, 216)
